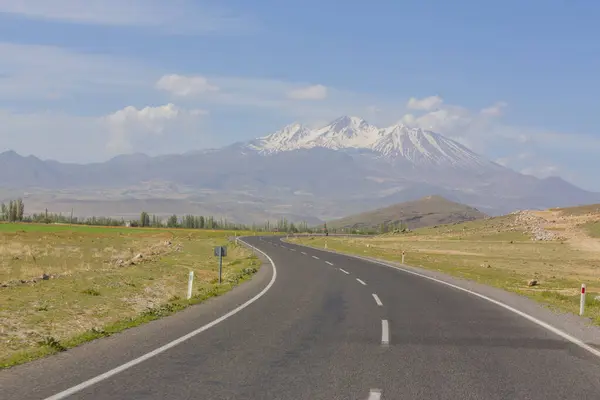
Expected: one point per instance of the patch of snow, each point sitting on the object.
(399, 141)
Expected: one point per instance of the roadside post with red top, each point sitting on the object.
(582, 301)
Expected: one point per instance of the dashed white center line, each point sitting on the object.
(293, 249)
(377, 300)
(344, 271)
(327, 262)
(361, 282)
(385, 332)
(315, 257)
(374, 394)
(303, 252)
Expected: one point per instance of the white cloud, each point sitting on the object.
(314, 92)
(152, 130)
(173, 16)
(426, 104)
(471, 128)
(409, 119)
(130, 126)
(180, 85)
(496, 110)
(449, 120)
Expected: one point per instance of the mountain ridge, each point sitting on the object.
(398, 141)
(317, 174)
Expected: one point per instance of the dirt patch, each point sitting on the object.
(570, 228)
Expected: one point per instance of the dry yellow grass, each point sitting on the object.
(99, 283)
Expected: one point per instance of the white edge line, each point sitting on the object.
(541, 323)
(123, 367)
(374, 394)
(385, 332)
(361, 282)
(327, 262)
(377, 300)
(344, 271)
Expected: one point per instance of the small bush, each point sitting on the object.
(51, 342)
(91, 292)
(99, 331)
(160, 311)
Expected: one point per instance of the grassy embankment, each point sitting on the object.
(497, 252)
(98, 282)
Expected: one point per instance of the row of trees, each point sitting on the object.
(398, 226)
(188, 221)
(13, 212)
(209, 222)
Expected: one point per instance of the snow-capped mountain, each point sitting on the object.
(397, 142)
(343, 168)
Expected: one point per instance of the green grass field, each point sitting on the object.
(492, 252)
(103, 280)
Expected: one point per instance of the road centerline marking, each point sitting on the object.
(344, 271)
(303, 252)
(374, 394)
(327, 262)
(361, 282)
(377, 300)
(385, 332)
(315, 257)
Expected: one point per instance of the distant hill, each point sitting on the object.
(427, 211)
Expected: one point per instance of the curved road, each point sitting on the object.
(329, 327)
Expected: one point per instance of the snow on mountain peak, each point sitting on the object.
(395, 142)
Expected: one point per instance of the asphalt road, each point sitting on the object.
(329, 327)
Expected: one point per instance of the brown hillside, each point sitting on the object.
(428, 211)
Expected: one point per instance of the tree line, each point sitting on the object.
(14, 211)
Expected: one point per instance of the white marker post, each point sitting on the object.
(190, 284)
(582, 301)
(325, 243)
(402, 256)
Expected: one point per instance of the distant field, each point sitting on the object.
(581, 210)
(498, 252)
(102, 280)
(593, 229)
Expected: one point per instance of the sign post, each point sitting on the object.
(190, 283)
(221, 251)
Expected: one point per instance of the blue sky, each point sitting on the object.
(516, 81)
